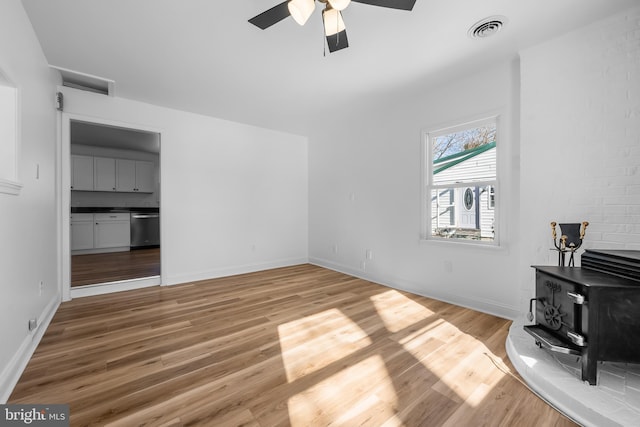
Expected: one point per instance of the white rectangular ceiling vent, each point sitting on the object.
(86, 82)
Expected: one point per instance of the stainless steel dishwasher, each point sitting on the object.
(145, 229)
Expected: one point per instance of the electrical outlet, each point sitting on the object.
(33, 323)
(40, 287)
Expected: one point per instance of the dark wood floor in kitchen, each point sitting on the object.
(111, 267)
(292, 347)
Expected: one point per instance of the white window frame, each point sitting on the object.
(10, 138)
(428, 185)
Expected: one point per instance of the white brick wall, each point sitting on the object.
(580, 133)
(580, 138)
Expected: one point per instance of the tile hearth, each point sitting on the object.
(614, 401)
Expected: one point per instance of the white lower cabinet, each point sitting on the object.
(100, 232)
(81, 231)
(112, 230)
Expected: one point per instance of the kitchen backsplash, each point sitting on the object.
(96, 198)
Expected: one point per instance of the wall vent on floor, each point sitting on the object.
(82, 81)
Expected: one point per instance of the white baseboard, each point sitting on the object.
(111, 287)
(12, 372)
(485, 306)
(232, 271)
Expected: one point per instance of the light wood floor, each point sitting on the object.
(113, 266)
(297, 346)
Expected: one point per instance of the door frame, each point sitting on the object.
(64, 198)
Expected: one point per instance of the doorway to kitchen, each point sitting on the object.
(114, 207)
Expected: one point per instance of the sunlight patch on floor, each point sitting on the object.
(314, 342)
(397, 311)
(366, 394)
(475, 373)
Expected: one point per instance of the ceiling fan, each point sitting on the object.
(334, 28)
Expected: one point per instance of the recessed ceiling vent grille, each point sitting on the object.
(487, 27)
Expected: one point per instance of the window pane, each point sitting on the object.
(465, 156)
(465, 212)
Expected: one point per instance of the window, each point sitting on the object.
(460, 174)
(8, 137)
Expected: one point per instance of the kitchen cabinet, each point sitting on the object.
(112, 230)
(145, 182)
(81, 231)
(82, 173)
(134, 176)
(99, 232)
(108, 174)
(104, 171)
(125, 175)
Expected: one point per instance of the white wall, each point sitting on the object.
(28, 241)
(233, 197)
(581, 138)
(365, 192)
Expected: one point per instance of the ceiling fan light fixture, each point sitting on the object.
(301, 10)
(339, 4)
(333, 23)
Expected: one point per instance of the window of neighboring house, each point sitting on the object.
(8, 137)
(460, 185)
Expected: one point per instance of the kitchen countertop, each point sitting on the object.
(107, 209)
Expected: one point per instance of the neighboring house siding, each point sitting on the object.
(478, 167)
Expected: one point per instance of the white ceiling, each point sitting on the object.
(203, 56)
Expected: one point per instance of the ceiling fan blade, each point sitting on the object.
(392, 4)
(272, 16)
(337, 41)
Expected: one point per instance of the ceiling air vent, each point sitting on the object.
(487, 27)
(85, 82)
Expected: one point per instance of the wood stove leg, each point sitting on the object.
(589, 368)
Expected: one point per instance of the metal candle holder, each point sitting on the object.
(570, 240)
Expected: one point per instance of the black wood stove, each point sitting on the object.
(591, 311)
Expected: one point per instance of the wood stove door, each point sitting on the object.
(558, 308)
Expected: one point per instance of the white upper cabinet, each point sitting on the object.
(135, 176)
(125, 175)
(90, 173)
(145, 177)
(82, 173)
(104, 171)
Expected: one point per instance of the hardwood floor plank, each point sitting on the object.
(295, 346)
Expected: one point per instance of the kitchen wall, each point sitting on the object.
(28, 221)
(117, 199)
(581, 138)
(233, 196)
(365, 192)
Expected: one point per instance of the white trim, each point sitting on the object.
(426, 178)
(110, 287)
(493, 308)
(11, 184)
(10, 187)
(14, 369)
(65, 191)
(232, 271)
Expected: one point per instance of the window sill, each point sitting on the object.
(10, 187)
(462, 244)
